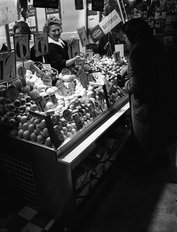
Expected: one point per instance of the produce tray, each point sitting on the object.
(69, 145)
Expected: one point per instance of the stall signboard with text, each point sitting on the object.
(49, 12)
(32, 18)
(7, 66)
(40, 43)
(96, 33)
(21, 45)
(8, 12)
(110, 21)
(105, 26)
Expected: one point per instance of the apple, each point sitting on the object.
(45, 132)
(40, 138)
(23, 119)
(48, 142)
(26, 135)
(20, 133)
(25, 126)
(33, 137)
(31, 128)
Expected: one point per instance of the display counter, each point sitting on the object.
(58, 180)
(61, 132)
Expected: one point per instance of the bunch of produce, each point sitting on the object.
(76, 99)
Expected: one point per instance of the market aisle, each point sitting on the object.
(131, 202)
(126, 201)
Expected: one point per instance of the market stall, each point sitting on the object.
(60, 132)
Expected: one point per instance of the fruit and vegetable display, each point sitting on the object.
(74, 100)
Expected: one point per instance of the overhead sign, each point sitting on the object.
(49, 12)
(46, 3)
(40, 43)
(79, 5)
(7, 66)
(97, 5)
(32, 18)
(105, 26)
(8, 12)
(21, 45)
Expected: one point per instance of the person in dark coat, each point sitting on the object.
(58, 48)
(151, 92)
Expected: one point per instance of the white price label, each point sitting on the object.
(83, 36)
(8, 12)
(41, 44)
(75, 48)
(21, 44)
(7, 66)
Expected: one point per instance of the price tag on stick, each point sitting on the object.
(21, 44)
(83, 36)
(7, 66)
(40, 44)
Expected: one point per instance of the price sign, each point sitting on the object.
(117, 56)
(8, 12)
(7, 66)
(21, 44)
(75, 48)
(40, 44)
(83, 79)
(83, 36)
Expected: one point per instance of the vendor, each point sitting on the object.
(58, 48)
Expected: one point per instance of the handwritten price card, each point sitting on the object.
(21, 44)
(83, 79)
(7, 66)
(41, 44)
(83, 36)
(8, 12)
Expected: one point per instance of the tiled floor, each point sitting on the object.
(128, 200)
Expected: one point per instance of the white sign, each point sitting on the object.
(120, 48)
(40, 43)
(110, 21)
(21, 44)
(75, 48)
(8, 12)
(7, 66)
(83, 36)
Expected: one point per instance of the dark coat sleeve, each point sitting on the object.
(33, 57)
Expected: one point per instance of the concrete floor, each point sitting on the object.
(128, 200)
(132, 199)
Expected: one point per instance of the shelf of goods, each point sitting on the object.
(55, 156)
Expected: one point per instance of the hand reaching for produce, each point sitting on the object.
(71, 40)
(128, 86)
(73, 60)
(123, 70)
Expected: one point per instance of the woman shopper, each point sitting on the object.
(151, 93)
(58, 48)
